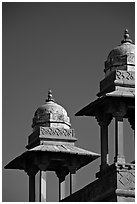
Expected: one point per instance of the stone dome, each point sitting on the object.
(122, 56)
(123, 49)
(51, 114)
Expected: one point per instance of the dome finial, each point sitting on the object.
(50, 97)
(126, 37)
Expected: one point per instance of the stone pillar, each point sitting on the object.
(72, 182)
(42, 187)
(31, 173)
(61, 176)
(119, 140)
(104, 120)
(119, 113)
(42, 180)
(61, 188)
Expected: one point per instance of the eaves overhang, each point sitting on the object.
(99, 104)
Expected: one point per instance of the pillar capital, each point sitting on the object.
(72, 169)
(119, 114)
(61, 174)
(32, 171)
(103, 119)
(120, 111)
(43, 167)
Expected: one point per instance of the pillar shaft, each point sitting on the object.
(104, 146)
(42, 189)
(72, 183)
(61, 174)
(32, 188)
(61, 189)
(119, 140)
(104, 120)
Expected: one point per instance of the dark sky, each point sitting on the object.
(61, 46)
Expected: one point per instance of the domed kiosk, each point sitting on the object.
(51, 147)
(116, 100)
(121, 57)
(51, 114)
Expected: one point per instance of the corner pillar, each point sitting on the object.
(119, 138)
(103, 121)
(31, 173)
(43, 181)
(42, 187)
(61, 188)
(72, 181)
(61, 176)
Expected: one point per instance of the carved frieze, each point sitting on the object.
(128, 75)
(122, 78)
(126, 180)
(56, 131)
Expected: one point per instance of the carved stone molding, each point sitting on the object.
(56, 131)
(126, 180)
(128, 75)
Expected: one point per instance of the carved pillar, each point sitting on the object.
(31, 173)
(119, 138)
(104, 120)
(42, 180)
(72, 182)
(61, 188)
(42, 187)
(61, 175)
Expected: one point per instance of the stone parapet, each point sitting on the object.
(116, 184)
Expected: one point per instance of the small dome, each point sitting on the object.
(123, 49)
(51, 114)
(121, 56)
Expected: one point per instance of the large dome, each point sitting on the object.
(122, 56)
(51, 114)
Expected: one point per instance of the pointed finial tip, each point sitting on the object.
(126, 37)
(50, 97)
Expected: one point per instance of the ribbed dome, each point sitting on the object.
(51, 114)
(121, 57)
